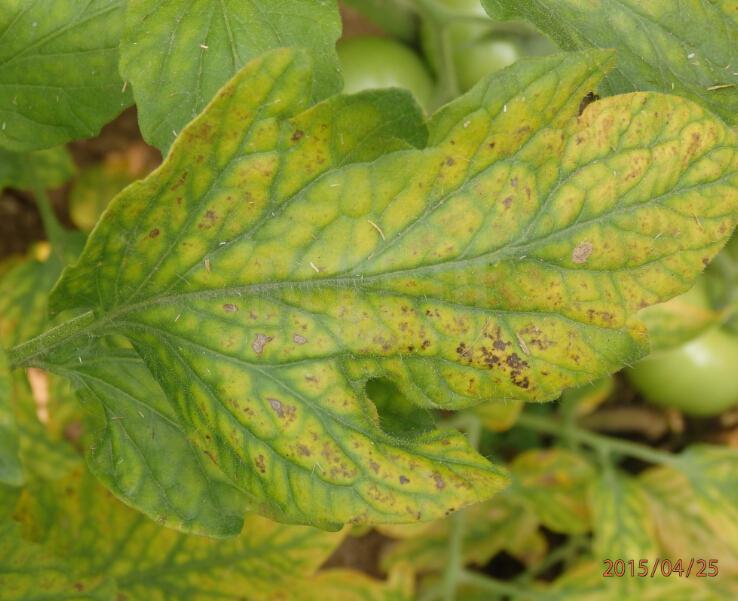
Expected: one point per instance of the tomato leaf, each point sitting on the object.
(79, 520)
(694, 504)
(501, 524)
(24, 293)
(29, 572)
(553, 483)
(341, 584)
(178, 53)
(621, 521)
(58, 71)
(132, 424)
(44, 448)
(264, 274)
(679, 47)
(39, 169)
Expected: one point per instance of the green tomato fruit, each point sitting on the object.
(699, 378)
(479, 48)
(374, 62)
(484, 56)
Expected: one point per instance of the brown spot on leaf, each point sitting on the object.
(303, 450)
(298, 339)
(276, 404)
(582, 252)
(440, 483)
(179, 181)
(260, 342)
(209, 220)
(297, 135)
(259, 461)
(508, 202)
(230, 307)
(404, 480)
(154, 233)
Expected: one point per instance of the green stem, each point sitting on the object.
(53, 229)
(24, 354)
(455, 557)
(438, 17)
(603, 444)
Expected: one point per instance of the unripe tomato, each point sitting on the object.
(479, 48)
(699, 378)
(371, 62)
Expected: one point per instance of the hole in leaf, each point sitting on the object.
(398, 416)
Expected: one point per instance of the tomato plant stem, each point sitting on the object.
(604, 444)
(455, 557)
(24, 354)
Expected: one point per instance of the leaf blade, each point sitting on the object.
(686, 49)
(179, 53)
(59, 71)
(295, 269)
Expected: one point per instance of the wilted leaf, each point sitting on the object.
(29, 573)
(264, 279)
(682, 47)
(38, 169)
(178, 53)
(82, 522)
(58, 71)
(11, 472)
(554, 483)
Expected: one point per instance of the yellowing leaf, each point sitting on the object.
(24, 290)
(679, 319)
(101, 537)
(501, 524)
(694, 505)
(351, 585)
(585, 399)
(44, 448)
(553, 483)
(28, 573)
(585, 582)
(282, 257)
(498, 416)
(620, 518)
